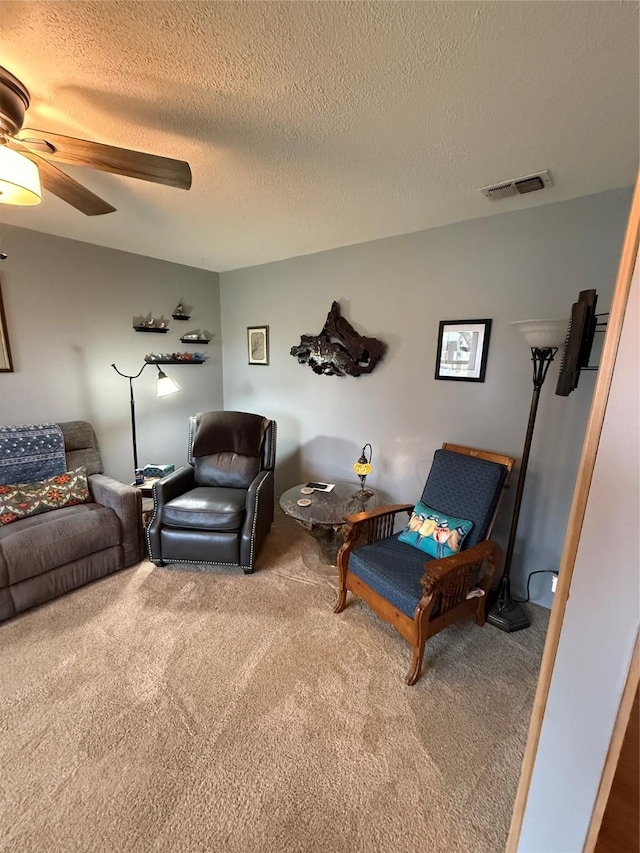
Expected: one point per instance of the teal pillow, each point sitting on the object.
(435, 533)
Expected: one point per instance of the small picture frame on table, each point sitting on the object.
(463, 347)
(258, 344)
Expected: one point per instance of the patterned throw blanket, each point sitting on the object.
(29, 453)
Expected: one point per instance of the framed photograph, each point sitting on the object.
(6, 365)
(258, 344)
(463, 346)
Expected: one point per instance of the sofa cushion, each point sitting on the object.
(81, 446)
(49, 585)
(34, 545)
(207, 508)
(20, 500)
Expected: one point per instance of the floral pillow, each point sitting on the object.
(434, 532)
(20, 500)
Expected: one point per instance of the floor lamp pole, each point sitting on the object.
(133, 410)
(507, 614)
(133, 426)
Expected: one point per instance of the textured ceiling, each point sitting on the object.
(311, 125)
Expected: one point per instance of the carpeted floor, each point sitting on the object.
(173, 710)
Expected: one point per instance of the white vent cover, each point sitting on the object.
(518, 186)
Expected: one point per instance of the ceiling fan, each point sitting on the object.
(41, 147)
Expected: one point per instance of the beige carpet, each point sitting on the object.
(170, 710)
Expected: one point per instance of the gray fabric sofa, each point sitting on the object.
(44, 556)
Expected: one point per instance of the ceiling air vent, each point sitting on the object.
(518, 186)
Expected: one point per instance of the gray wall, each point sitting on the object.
(70, 308)
(600, 624)
(522, 265)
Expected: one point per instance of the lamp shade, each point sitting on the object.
(19, 179)
(543, 333)
(165, 385)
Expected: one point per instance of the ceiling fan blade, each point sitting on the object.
(108, 158)
(63, 186)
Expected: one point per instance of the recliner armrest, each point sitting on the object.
(174, 484)
(252, 492)
(258, 519)
(126, 502)
(165, 490)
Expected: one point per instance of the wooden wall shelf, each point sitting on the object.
(175, 360)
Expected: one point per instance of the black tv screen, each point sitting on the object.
(578, 343)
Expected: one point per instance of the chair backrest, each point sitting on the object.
(467, 483)
(228, 449)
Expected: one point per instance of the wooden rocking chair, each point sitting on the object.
(421, 598)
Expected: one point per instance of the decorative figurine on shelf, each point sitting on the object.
(150, 324)
(170, 357)
(197, 336)
(363, 466)
(180, 312)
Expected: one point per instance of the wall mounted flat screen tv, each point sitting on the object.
(578, 343)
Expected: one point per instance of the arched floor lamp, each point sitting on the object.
(164, 385)
(544, 337)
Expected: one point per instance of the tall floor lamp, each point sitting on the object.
(164, 385)
(544, 337)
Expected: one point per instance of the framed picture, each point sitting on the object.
(6, 365)
(463, 346)
(258, 344)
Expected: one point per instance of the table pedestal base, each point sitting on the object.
(322, 514)
(329, 540)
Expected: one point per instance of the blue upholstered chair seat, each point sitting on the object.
(207, 508)
(393, 569)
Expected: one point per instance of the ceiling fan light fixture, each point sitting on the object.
(19, 179)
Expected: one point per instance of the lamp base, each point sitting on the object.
(507, 614)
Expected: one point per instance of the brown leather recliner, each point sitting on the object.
(219, 508)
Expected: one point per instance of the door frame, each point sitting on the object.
(574, 529)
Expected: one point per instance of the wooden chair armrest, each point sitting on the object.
(378, 512)
(380, 526)
(436, 571)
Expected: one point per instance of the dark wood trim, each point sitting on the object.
(5, 338)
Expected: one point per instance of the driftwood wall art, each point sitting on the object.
(338, 350)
